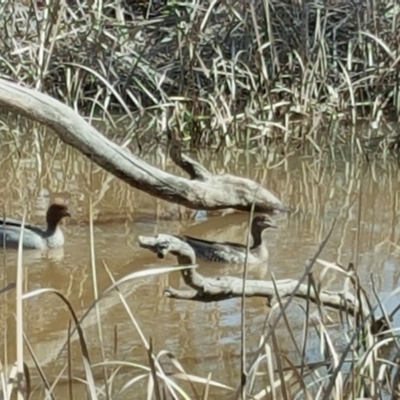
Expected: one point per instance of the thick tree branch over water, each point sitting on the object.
(203, 191)
(225, 287)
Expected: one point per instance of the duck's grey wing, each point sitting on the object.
(213, 251)
(196, 240)
(220, 245)
(18, 223)
(235, 246)
(10, 235)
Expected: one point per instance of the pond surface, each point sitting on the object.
(205, 337)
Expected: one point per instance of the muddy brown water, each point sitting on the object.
(204, 337)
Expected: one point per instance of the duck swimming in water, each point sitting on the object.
(234, 253)
(35, 237)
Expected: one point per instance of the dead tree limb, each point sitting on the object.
(223, 288)
(203, 192)
(194, 169)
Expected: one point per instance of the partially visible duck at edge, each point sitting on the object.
(35, 237)
(234, 253)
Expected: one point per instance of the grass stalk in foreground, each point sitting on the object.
(287, 379)
(21, 390)
(243, 372)
(365, 353)
(94, 277)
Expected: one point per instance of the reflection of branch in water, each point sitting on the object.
(223, 288)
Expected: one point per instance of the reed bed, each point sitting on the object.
(228, 72)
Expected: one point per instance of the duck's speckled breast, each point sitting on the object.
(56, 240)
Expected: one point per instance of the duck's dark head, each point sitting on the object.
(261, 222)
(55, 214)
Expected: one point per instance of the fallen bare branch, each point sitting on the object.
(194, 169)
(204, 191)
(223, 288)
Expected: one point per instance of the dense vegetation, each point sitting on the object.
(227, 69)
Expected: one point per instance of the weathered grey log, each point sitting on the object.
(223, 288)
(194, 169)
(204, 191)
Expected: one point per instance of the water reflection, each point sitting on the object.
(37, 171)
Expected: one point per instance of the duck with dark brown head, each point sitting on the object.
(35, 237)
(234, 253)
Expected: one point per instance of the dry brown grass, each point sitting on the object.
(231, 71)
